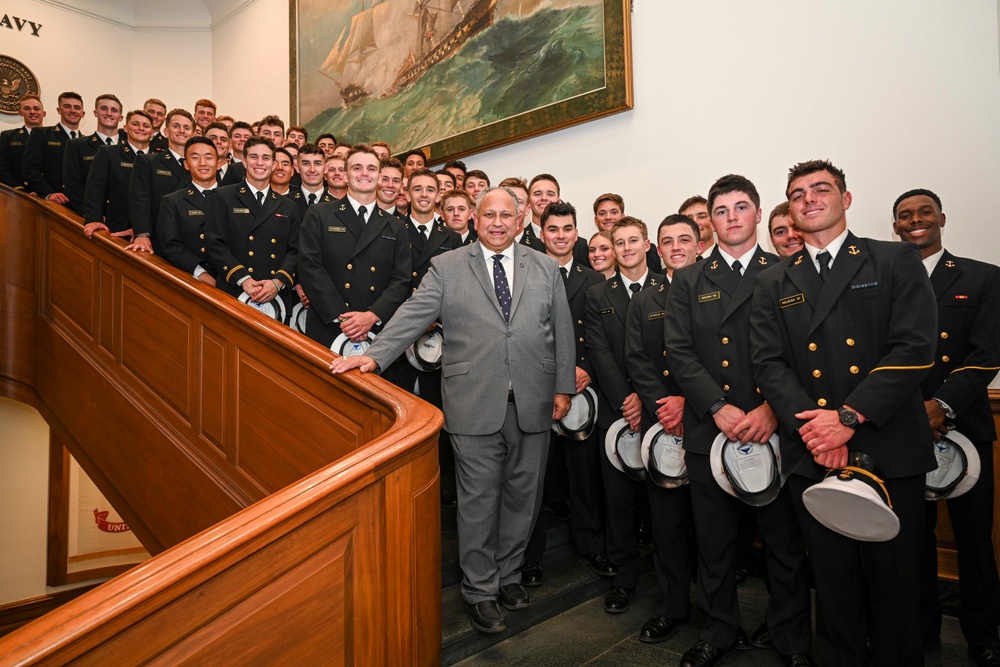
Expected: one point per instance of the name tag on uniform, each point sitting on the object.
(88, 158)
(864, 285)
(241, 210)
(55, 143)
(658, 315)
(793, 300)
(195, 211)
(280, 215)
(127, 165)
(710, 296)
(17, 143)
(336, 229)
(388, 238)
(164, 172)
(607, 311)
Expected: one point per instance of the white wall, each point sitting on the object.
(80, 51)
(250, 57)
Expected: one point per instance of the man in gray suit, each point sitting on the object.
(505, 316)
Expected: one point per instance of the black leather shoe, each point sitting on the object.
(798, 660)
(761, 637)
(531, 574)
(618, 600)
(742, 641)
(659, 629)
(704, 654)
(599, 563)
(985, 656)
(514, 597)
(643, 535)
(487, 617)
(449, 498)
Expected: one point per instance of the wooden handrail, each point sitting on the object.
(293, 515)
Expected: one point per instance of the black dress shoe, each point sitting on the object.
(659, 629)
(487, 617)
(531, 574)
(618, 600)
(742, 642)
(798, 660)
(761, 637)
(449, 498)
(643, 534)
(704, 654)
(514, 597)
(599, 563)
(985, 656)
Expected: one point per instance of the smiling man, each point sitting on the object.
(355, 258)
(14, 141)
(457, 208)
(696, 208)
(606, 306)
(843, 334)
(184, 214)
(707, 339)
(157, 111)
(956, 394)
(80, 152)
(252, 232)
(784, 236)
(507, 373)
(43, 154)
(390, 184)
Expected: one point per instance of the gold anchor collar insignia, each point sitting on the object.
(950, 264)
(798, 261)
(714, 265)
(763, 261)
(854, 250)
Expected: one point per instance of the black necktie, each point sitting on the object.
(361, 213)
(108, 141)
(260, 198)
(207, 193)
(501, 286)
(181, 161)
(738, 268)
(823, 257)
(634, 288)
(72, 134)
(423, 231)
(312, 199)
(140, 152)
(565, 273)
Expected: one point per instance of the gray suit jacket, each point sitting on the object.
(481, 352)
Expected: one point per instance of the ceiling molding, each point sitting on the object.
(65, 6)
(242, 7)
(80, 12)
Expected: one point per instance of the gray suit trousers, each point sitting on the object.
(499, 481)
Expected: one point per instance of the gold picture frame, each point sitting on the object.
(461, 87)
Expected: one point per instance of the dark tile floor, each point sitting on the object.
(586, 635)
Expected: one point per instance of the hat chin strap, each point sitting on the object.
(848, 471)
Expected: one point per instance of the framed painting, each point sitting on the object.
(455, 77)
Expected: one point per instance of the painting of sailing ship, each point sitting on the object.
(456, 76)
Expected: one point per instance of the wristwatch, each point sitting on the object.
(849, 418)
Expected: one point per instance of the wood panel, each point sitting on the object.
(295, 514)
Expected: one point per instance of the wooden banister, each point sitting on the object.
(293, 515)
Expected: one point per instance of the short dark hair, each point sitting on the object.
(732, 183)
(69, 94)
(611, 197)
(258, 141)
(444, 172)
(415, 151)
(242, 125)
(780, 211)
(178, 112)
(478, 173)
(558, 208)
(458, 193)
(391, 163)
(691, 201)
(138, 112)
(216, 125)
(813, 166)
(282, 150)
(679, 219)
(915, 193)
(194, 141)
(109, 96)
(272, 121)
(311, 149)
(544, 177)
(629, 221)
(456, 164)
(326, 135)
(421, 172)
(299, 128)
(360, 148)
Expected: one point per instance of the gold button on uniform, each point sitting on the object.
(725, 363)
(664, 353)
(812, 347)
(581, 340)
(821, 402)
(816, 373)
(251, 238)
(946, 358)
(414, 274)
(272, 273)
(250, 269)
(203, 250)
(373, 269)
(350, 266)
(666, 373)
(201, 236)
(373, 288)
(944, 335)
(274, 240)
(347, 285)
(250, 253)
(850, 342)
(855, 370)
(273, 256)
(725, 340)
(725, 387)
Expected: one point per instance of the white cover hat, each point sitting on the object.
(958, 467)
(663, 458)
(623, 448)
(750, 472)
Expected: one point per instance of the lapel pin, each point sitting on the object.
(763, 261)
(652, 282)
(798, 261)
(854, 250)
(343, 207)
(614, 285)
(714, 265)
(950, 264)
(243, 191)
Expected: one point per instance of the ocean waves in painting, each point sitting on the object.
(517, 65)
